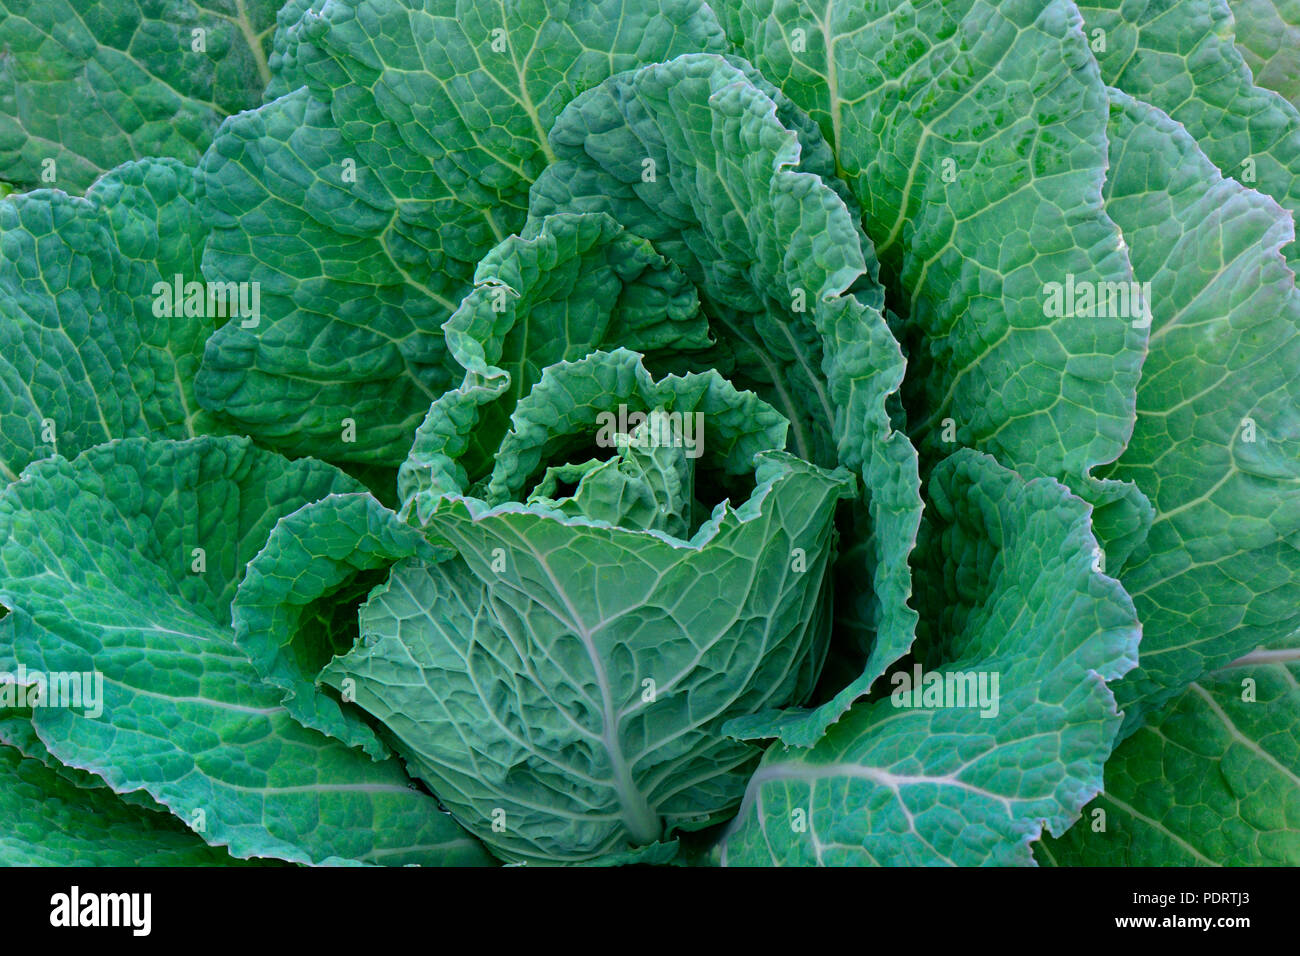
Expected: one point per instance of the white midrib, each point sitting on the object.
(525, 97)
(642, 822)
(254, 42)
(833, 87)
(1287, 655)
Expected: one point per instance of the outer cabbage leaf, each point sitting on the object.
(50, 819)
(296, 605)
(1180, 58)
(100, 575)
(974, 136)
(1267, 34)
(89, 84)
(363, 202)
(1007, 580)
(47, 821)
(725, 180)
(294, 17)
(83, 357)
(1217, 441)
(17, 732)
(561, 683)
(1214, 780)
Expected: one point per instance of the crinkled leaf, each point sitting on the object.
(16, 731)
(100, 574)
(1180, 58)
(89, 84)
(571, 398)
(558, 291)
(1267, 35)
(974, 136)
(648, 486)
(698, 156)
(363, 202)
(1214, 780)
(561, 683)
(294, 17)
(1217, 441)
(568, 285)
(296, 605)
(1008, 587)
(83, 357)
(47, 821)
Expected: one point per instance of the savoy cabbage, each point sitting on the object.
(609, 431)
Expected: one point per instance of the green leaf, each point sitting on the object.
(1267, 34)
(1217, 441)
(648, 486)
(47, 821)
(101, 576)
(294, 18)
(545, 422)
(362, 202)
(571, 398)
(561, 683)
(1214, 780)
(83, 356)
(343, 335)
(296, 605)
(567, 286)
(973, 135)
(696, 156)
(1180, 58)
(559, 291)
(716, 168)
(16, 731)
(88, 84)
(1006, 579)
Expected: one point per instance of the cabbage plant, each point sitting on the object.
(766, 432)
